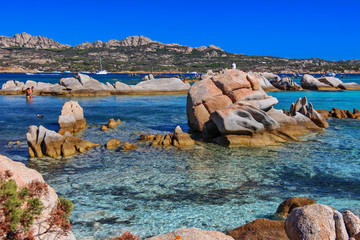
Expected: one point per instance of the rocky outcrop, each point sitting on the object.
(231, 108)
(318, 221)
(178, 139)
(285, 84)
(326, 83)
(192, 234)
(72, 118)
(25, 40)
(286, 207)
(47, 143)
(24, 176)
(260, 229)
(340, 113)
(302, 106)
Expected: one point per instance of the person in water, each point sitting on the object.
(29, 92)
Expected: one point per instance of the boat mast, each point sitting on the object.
(100, 65)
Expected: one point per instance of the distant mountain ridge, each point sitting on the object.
(139, 53)
(28, 41)
(24, 40)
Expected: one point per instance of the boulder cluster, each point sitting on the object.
(115, 143)
(340, 113)
(177, 139)
(84, 85)
(285, 84)
(44, 142)
(231, 108)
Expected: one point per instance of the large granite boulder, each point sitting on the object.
(316, 221)
(352, 223)
(12, 85)
(192, 234)
(71, 118)
(24, 176)
(231, 108)
(84, 82)
(332, 81)
(264, 82)
(162, 84)
(310, 82)
(285, 84)
(44, 142)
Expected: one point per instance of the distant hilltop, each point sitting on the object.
(24, 40)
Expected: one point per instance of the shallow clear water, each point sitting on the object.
(154, 190)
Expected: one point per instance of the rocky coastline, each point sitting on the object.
(84, 85)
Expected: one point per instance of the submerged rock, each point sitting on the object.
(289, 204)
(128, 146)
(260, 229)
(113, 143)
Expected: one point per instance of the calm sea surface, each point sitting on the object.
(155, 190)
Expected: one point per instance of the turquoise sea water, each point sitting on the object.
(154, 190)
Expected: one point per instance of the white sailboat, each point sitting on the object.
(101, 71)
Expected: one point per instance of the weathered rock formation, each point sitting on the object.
(192, 234)
(178, 139)
(83, 85)
(71, 118)
(318, 221)
(285, 84)
(231, 108)
(43, 142)
(326, 83)
(302, 106)
(24, 176)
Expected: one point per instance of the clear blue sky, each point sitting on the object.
(290, 28)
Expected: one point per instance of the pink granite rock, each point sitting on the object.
(24, 176)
